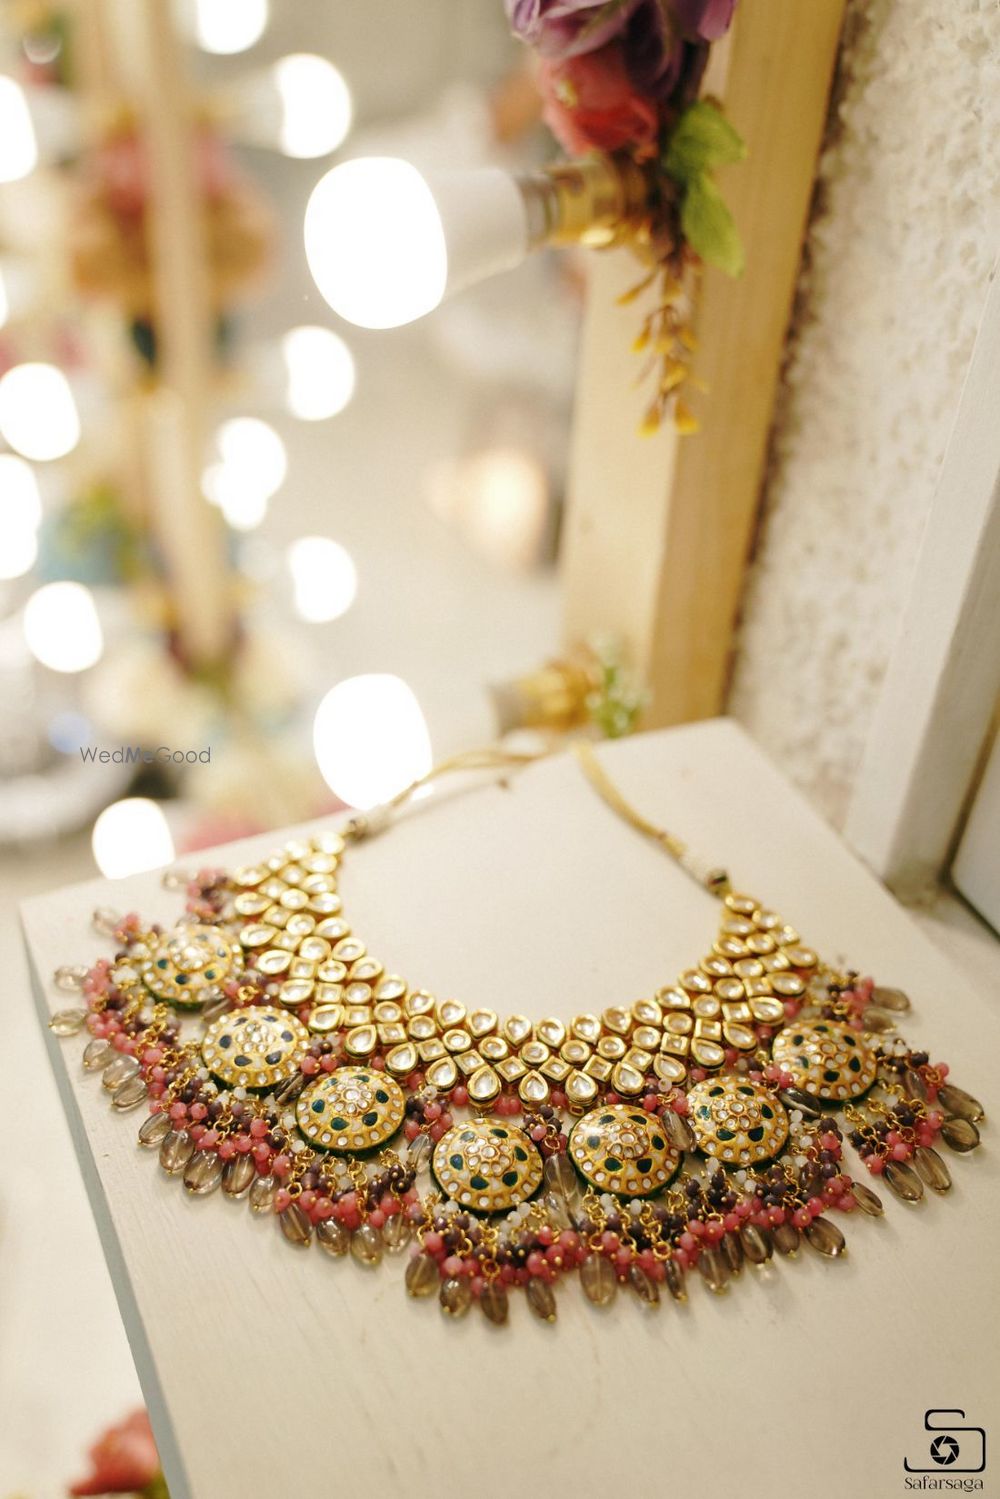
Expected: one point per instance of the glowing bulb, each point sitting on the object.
(243, 506)
(320, 373)
(61, 627)
(254, 454)
(370, 739)
(228, 26)
(20, 503)
(315, 105)
(18, 147)
(323, 577)
(384, 244)
(18, 551)
(130, 837)
(38, 416)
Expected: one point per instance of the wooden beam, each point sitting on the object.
(659, 528)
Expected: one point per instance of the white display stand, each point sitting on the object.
(271, 1372)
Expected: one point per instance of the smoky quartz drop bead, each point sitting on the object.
(494, 1304)
(238, 1176)
(903, 1180)
(119, 1071)
(598, 1279)
(333, 1237)
(154, 1130)
(176, 1150)
(67, 1022)
(960, 1134)
(262, 1194)
(367, 1246)
(422, 1275)
(129, 1094)
(825, 1237)
(786, 1238)
(295, 1226)
(644, 1286)
(713, 1270)
(203, 1173)
(757, 1245)
(956, 1101)
(455, 1296)
(931, 1169)
(97, 1054)
(868, 1201)
(541, 1299)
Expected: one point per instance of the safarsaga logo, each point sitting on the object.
(137, 754)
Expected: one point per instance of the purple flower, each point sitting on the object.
(703, 20)
(558, 29)
(654, 51)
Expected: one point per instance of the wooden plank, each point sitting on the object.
(659, 528)
(939, 694)
(274, 1372)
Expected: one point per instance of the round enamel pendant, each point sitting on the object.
(622, 1149)
(736, 1122)
(487, 1165)
(255, 1047)
(186, 962)
(826, 1059)
(354, 1109)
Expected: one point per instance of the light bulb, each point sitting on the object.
(243, 505)
(315, 105)
(130, 837)
(253, 453)
(385, 244)
(320, 373)
(226, 26)
(370, 739)
(324, 578)
(62, 628)
(20, 502)
(38, 415)
(18, 146)
(4, 299)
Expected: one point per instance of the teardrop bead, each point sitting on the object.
(560, 1176)
(868, 1201)
(557, 1211)
(786, 1238)
(333, 1237)
(879, 1022)
(678, 1131)
(713, 1270)
(541, 1299)
(176, 879)
(238, 1175)
(731, 1249)
(757, 1246)
(67, 1022)
(825, 1237)
(97, 1054)
(419, 1152)
(129, 1094)
(890, 999)
(811, 1180)
(397, 1233)
(203, 1173)
(956, 1101)
(295, 1226)
(119, 1071)
(598, 1279)
(214, 1009)
(456, 1296)
(644, 1286)
(931, 1168)
(903, 1180)
(290, 1090)
(154, 1129)
(105, 921)
(673, 1279)
(914, 1085)
(175, 1151)
(422, 1275)
(794, 1098)
(960, 1135)
(262, 1194)
(69, 978)
(494, 1303)
(367, 1246)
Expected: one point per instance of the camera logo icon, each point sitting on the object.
(960, 1448)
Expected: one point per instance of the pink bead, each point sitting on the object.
(688, 1242)
(258, 1128)
(609, 1241)
(460, 1096)
(309, 1066)
(178, 1111)
(262, 1154)
(651, 1102)
(900, 1151)
(376, 1218)
(875, 1164)
(282, 1199)
(432, 1111)
(801, 1218)
(323, 1209)
(198, 1111)
(281, 1165)
(623, 1258)
(329, 1063)
(433, 1243)
(714, 1231)
(226, 1150)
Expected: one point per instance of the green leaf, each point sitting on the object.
(702, 140)
(709, 227)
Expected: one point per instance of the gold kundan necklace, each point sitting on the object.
(685, 1133)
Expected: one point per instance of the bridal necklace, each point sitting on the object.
(680, 1135)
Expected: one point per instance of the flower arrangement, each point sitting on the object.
(624, 77)
(124, 1460)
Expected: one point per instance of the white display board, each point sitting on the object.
(273, 1372)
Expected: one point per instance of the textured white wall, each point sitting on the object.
(906, 232)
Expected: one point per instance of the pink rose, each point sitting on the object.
(592, 105)
(566, 28)
(123, 1460)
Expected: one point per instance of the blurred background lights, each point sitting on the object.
(62, 628)
(68, 730)
(38, 415)
(375, 242)
(505, 505)
(315, 105)
(18, 551)
(243, 505)
(131, 836)
(324, 578)
(20, 504)
(225, 26)
(370, 739)
(254, 453)
(320, 373)
(18, 147)
(4, 300)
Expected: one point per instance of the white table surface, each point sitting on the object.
(270, 1372)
